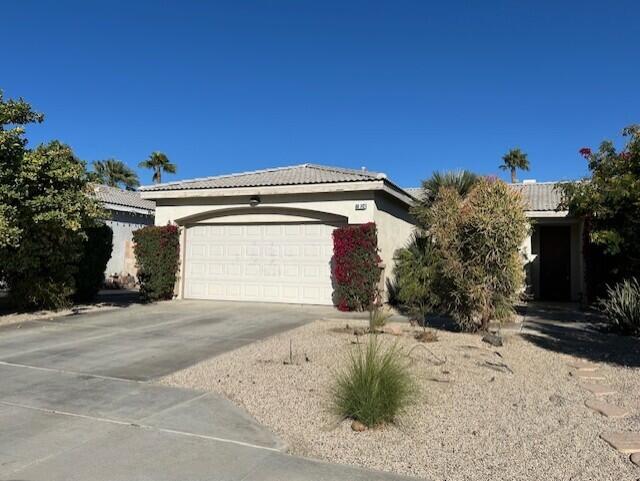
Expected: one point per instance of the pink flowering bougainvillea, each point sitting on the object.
(355, 266)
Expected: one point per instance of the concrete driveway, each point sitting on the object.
(78, 402)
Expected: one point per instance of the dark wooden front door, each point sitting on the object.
(555, 263)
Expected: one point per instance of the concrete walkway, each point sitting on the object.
(76, 401)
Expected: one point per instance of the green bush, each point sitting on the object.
(375, 386)
(45, 208)
(157, 251)
(622, 306)
(415, 274)
(96, 253)
(53, 209)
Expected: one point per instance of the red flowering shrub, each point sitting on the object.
(157, 251)
(355, 266)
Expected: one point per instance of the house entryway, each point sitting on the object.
(555, 262)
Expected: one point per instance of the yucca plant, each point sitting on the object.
(622, 306)
(375, 386)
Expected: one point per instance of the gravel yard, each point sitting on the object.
(473, 419)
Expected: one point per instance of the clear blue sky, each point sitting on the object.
(397, 86)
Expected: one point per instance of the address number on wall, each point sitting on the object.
(361, 206)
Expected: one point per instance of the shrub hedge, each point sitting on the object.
(96, 252)
(355, 267)
(157, 251)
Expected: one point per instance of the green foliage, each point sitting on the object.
(14, 114)
(609, 200)
(159, 163)
(462, 181)
(622, 306)
(115, 173)
(416, 274)
(355, 267)
(375, 386)
(469, 264)
(96, 252)
(514, 159)
(157, 251)
(52, 208)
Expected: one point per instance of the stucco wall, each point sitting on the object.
(123, 224)
(390, 215)
(395, 226)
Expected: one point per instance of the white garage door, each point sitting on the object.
(259, 262)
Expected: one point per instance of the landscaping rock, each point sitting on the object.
(608, 410)
(589, 375)
(580, 365)
(493, 339)
(358, 426)
(557, 400)
(394, 330)
(599, 389)
(625, 442)
(635, 459)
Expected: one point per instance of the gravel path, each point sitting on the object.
(471, 421)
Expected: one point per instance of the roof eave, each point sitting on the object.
(353, 186)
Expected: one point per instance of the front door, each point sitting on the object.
(555, 263)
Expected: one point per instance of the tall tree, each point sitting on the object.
(115, 173)
(513, 160)
(159, 163)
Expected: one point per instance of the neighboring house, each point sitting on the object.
(127, 213)
(553, 249)
(266, 235)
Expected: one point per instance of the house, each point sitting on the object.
(127, 212)
(553, 249)
(266, 235)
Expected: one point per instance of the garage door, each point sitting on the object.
(259, 262)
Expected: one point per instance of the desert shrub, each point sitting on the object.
(355, 267)
(622, 306)
(415, 272)
(375, 386)
(157, 251)
(476, 242)
(96, 252)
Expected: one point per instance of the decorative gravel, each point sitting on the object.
(474, 419)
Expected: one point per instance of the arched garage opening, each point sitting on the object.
(259, 254)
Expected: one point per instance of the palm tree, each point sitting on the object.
(158, 162)
(515, 159)
(460, 180)
(115, 173)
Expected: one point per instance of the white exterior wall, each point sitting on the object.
(395, 226)
(390, 215)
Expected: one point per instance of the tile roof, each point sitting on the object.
(538, 196)
(124, 198)
(293, 175)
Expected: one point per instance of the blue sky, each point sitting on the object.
(400, 87)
